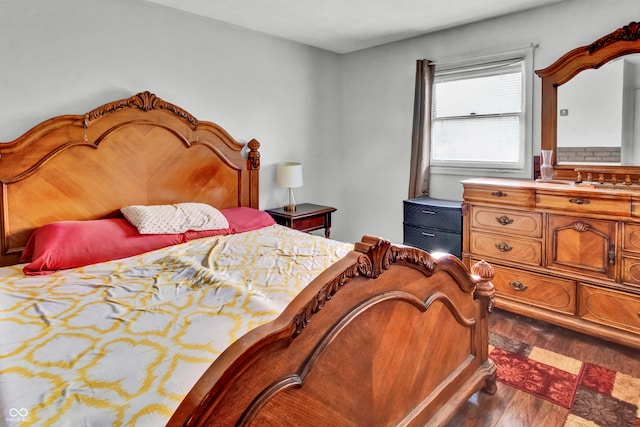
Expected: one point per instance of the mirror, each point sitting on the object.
(588, 103)
(598, 115)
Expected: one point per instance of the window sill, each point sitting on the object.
(524, 173)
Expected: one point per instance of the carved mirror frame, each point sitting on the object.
(623, 41)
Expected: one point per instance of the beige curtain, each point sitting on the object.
(421, 138)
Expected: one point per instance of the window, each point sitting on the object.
(480, 115)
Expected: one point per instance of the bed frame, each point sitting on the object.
(389, 335)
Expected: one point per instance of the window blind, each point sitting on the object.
(478, 114)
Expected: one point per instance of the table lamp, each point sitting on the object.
(289, 175)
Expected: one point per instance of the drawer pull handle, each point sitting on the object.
(503, 247)
(504, 220)
(612, 254)
(424, 233)
(428, 212)
(518, 285)
(499, 194)
(580, 201)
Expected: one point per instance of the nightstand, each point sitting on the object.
(307, 217)
(433, 225)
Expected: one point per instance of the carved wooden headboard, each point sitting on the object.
(139, 150)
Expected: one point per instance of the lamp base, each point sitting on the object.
(290, 206)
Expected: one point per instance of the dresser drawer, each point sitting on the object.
(631, 271)
(631, 237)
(433, 240)
(585, 203)
(608, 307)
(535, 289)
(524, 251)
(433, 213)
(497, 195)
(310, 223)
(507, 221)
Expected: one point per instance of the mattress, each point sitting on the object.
(122, 342)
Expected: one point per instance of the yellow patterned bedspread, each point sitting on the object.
(121, 343)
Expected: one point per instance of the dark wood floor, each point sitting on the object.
(510, 407)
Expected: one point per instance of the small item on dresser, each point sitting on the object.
(546, 168)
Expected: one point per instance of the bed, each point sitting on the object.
(315, 332)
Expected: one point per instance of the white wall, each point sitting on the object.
(377, 98)
(70, 56)
(346, 117)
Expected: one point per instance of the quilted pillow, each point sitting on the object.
(175, 218)
(68, 244)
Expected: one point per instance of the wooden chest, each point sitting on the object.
(563, 253)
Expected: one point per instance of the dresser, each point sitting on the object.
(433, 225)
(565, 253)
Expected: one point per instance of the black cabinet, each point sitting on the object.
(433, 225)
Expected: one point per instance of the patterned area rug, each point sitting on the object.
(595, 395)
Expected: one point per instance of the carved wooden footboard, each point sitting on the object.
(387, 336)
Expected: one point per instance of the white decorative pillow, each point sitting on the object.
(174, 219)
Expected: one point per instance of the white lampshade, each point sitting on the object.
(289, 175)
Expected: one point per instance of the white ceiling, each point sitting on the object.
(347, 25)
